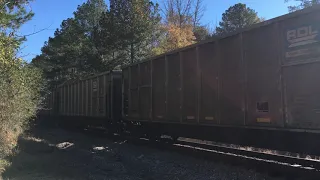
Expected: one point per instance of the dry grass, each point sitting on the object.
(3, 165)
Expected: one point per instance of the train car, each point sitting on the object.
(93, 101)
(260, 84)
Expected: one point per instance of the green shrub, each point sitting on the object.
(20, 85)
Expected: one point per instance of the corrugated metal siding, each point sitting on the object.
(89, 113)
(264, 104)
(189, 85)
(208, 62)
(95, 97)
(64, 90)
(90, 97)
(61, 101)
(109, 95)
(101, 95)
(75, 98)
(145, 73)
(231, 93)
(303, 95)
(134, 92)
(159, 89)
(265, 76)
(301, 51)
(85, 101)
(173, 88)
(68, 110)
(125, 89)
(80, 98)
(145, 91)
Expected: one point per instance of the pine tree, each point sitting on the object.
(72, 53)
(237, 17)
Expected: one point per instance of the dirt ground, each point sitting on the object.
(50, 153)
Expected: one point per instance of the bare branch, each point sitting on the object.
(198, 12)
(36, 32)
(183, 12)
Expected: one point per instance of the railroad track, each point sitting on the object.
(275, 165)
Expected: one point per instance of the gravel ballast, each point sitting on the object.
(60, 154)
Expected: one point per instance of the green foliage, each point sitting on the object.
(99, 39)
(128, 30)
(237, 17)
(20, 82)
(13, 13)
(302, 4)
(201, 33)
(71, 53)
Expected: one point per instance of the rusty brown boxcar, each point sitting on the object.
(258, 86)
(94, 100)
(264, 76)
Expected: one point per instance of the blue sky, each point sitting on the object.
(50, 13)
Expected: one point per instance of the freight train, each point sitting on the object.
(257, 86)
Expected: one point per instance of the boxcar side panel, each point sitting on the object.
(301, 44)
(116, 96)
(71, 99)
(189, 85)
(95, 96)
(231, 89)
(61, 101)
(76, 105)
(79, 98)
(159, 89)
(125, 92)
(82, 110)
(173, 88)
(134, 92)
(86, 95)
(89, 112)
(102, 96)
(65, 92)
(303, 95)
(75, 96)
(144, 91)
(263, 91)
(208, 62)
(66, 100)
(69, 96)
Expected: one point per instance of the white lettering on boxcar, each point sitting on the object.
(301, 36)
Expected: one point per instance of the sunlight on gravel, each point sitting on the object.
(247, 148)
(64, 145)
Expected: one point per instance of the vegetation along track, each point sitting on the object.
(275, 165)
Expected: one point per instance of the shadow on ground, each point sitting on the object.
(50, 153)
